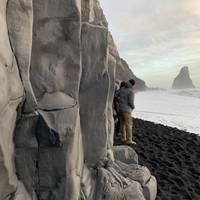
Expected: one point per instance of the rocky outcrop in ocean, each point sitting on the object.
(183, 80)
(57, 75)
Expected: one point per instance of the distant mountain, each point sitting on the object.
(123, 71)
(183, 80)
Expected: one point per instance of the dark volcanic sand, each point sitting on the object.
(173, 156)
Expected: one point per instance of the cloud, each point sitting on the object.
(157, 37)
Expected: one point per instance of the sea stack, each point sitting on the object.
(183, 80)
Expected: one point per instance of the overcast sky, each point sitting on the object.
(157, 37)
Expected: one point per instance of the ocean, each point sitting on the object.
(175, 108)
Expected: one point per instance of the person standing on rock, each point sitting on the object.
(126, 106)
(116, 109)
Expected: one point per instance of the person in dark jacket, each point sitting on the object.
(116, 109)
(126, 106)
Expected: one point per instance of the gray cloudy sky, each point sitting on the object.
(157, 37)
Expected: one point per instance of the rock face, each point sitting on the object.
(123, 72)
(57, 75)
(183, 80)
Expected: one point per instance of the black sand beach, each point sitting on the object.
(173, 156)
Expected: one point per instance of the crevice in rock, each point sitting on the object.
(94, 25)
(45, 135)
(37, 189)
(10, 102)
(59, 109)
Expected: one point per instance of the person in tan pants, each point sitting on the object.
(126, 106)
(126, 126)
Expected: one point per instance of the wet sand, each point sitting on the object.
(173, 156)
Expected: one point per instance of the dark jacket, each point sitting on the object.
(126, 98)
(116, 101)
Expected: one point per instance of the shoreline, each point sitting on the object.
(168, 126)
(174, 108)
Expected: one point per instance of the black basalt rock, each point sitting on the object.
(183, 80)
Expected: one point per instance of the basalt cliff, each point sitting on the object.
(57, 76)
(123, 71)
